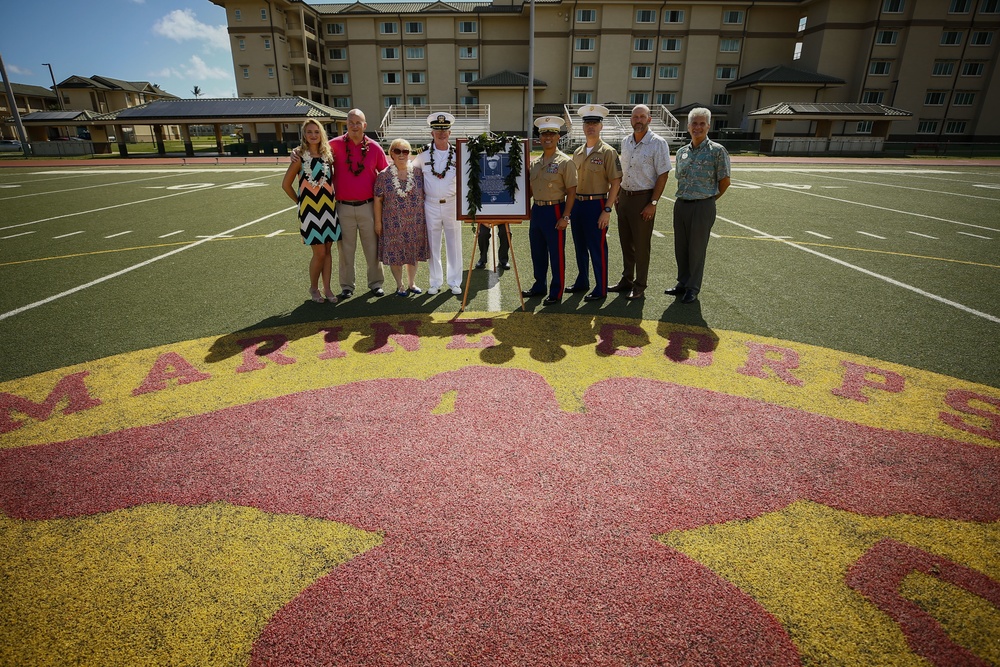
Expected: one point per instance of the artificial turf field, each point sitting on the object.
(198, 465)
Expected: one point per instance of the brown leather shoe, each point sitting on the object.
(622, 286)
(636, 293)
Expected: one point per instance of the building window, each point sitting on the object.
(414, 28)
(417, 77)
(270, 72)
(797, 51)
(638, 98)
(390, 100)
(892, 6)
(335, 28)
(935, 98)
(673, 16)
(468, 76)
(670, 44)
(414, 53)
(388, 28)
(585, 43)
(238, 14)
(990, 7)
(865, 127)
(582, 98)
(263, 15)
(670, 71)
(246, 72)
(390, 53)
(880, 67)
(583, 71)
(972, 69)
(725, 72)
(243, 45)
(951, 38)
(267, 43)
(468, 53)
(954, 127)
(391, 78)
(984, 38)
(645, 16)
(960, 6)
(586, 16)
(872, 97)
(927, 127)
(642, 72)
(466, 27)
(732, 17)
(342, 102)
(468, 99)
(886, 37)
(666, 98)
(338, 78)
(722, 100)
(643, 44)
(963, 99)
(802, 23)
(418, 99)
(338, 54)
(729, 45)
(943, 68)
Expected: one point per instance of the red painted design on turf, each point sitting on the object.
(513, 536)
(71, 388)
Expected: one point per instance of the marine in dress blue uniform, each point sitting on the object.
(552, 185)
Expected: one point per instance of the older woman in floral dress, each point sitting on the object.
(399, 218)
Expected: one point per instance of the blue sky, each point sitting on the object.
(177, 44)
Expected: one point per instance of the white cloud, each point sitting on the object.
(181, 25)
(14, 69)
(165, 73)
(199, 69)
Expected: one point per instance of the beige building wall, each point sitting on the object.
(838, 40)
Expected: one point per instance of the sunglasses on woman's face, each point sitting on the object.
(400, 151)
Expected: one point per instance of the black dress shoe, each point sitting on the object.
(636, 293)
(504, 265)
(529, 293)
(378, 291)
(346, 294)
(593, 297)
(481, 264)
(549, 301)
(575, 288)
(690, 296)
(676, 290)
(622, 286)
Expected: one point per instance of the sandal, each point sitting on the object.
(315, 295)
(415, 290)
(330, 296)
(402, 292)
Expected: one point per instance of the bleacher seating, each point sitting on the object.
(409, 121)
(618, 125)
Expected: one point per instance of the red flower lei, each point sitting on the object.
(364, 152)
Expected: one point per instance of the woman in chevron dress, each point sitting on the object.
(313, 163)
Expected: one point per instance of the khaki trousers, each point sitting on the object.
(358, 221)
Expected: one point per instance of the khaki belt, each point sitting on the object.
(549, 203)
(590, 197)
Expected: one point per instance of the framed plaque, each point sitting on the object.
(494, 166)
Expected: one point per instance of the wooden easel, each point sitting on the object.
(492, 223)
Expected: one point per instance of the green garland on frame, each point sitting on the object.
(491, 144)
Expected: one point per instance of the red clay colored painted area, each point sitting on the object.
(515, 533)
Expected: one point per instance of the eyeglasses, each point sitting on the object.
(400, 151)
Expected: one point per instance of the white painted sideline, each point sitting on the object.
(98, 281)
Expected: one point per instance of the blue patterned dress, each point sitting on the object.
(404, 231)
(318, 222)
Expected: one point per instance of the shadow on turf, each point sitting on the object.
(545, 339)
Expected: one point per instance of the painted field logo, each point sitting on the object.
(518, 490)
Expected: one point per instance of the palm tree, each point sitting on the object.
(196, 91)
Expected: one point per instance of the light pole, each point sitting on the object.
(53, 77)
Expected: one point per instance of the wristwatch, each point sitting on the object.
(653, 201)
(607, 209)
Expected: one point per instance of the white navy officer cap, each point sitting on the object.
(593, 113)
(440, 120)
(548, 124)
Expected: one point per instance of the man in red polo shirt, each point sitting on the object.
(357, 160)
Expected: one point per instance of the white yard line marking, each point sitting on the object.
(70, 234)
(130, 203)
(714, 235)
(213, 236)
(171, 170)
(879, 276)
(874, 236)
(273, 234)
(98, 281)
(907, 187)
(659, 235)
(926, 236)
(84, 187)
(14, 236)
(977, 236)
(822, 236)
(880, 208)
(118, 234)
(179, 231)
